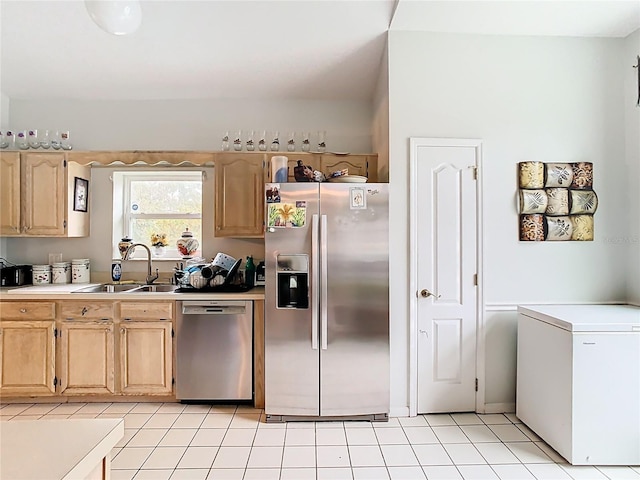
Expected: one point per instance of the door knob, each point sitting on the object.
(426, 293)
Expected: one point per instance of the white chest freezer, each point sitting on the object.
(578, 380)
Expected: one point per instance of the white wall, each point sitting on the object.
(631, 50)
(194, 124)
(5, 105)
(4, 123)
(171, 125)
(527, 98)
(380, 124)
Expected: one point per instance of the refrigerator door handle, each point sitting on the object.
(323, 282)
(314, 281)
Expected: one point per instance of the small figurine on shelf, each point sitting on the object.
(303, 173)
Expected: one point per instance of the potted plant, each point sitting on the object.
(159, 243)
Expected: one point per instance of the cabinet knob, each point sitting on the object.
(23, 310)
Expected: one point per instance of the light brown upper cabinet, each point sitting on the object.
(239, 196)
(10, 193)
(363, 165)
(40, 195)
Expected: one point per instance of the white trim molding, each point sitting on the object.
(499, 408)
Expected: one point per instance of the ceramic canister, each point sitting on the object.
(41, 274)
(61, 272)
(80, 270)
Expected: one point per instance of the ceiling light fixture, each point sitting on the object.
(118, 17)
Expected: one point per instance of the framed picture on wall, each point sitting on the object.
(80, 194)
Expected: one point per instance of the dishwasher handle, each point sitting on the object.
(213, 310)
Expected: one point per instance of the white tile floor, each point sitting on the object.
(189, 442)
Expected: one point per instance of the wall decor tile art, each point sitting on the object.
(556, 201)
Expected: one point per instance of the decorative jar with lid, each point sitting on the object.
(187, 245)
(123, 245)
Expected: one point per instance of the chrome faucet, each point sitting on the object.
(150, 277)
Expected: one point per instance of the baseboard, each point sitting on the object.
(399, 412)
(499, 408)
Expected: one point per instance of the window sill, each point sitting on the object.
(165, 258)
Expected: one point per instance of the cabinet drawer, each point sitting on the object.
(84, 310)
(146, 311)
(27, 310)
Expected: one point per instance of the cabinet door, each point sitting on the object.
(146, 358)
(240, 179)
(44, 193)
(363, 165)
(86, 357)
(308, 159)
(27, 356)
(10, 193)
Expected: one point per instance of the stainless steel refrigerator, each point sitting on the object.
(327, 301)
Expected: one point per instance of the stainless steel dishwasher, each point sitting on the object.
(214, 342)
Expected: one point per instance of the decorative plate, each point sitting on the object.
(348, 179)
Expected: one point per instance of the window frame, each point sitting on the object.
(123, 216)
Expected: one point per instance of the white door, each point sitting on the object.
(444, 219)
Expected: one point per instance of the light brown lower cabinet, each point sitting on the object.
(94, 348)
(27, 357)
(146, 355)
(99, 348)
(146, 348)
(27, 348)
(86, 358)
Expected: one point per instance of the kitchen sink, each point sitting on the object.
(107, 288)
(154, 288)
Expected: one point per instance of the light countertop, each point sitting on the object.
(56, 449)
(65, 291)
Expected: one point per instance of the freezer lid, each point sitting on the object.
(587, 318)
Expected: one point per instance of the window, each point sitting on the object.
(153, 203)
